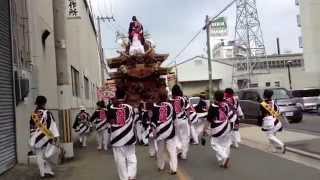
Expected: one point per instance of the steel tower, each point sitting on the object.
(248, 31)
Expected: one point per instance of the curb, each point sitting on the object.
(262, 146)
(303, 153)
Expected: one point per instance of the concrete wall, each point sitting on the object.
(310, 15)
(197, 70)
(196, 87)
(300, 79)
(83, 55)
(42, 73)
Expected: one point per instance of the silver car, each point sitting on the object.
(250, 103)
(310, 99)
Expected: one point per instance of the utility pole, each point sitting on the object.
(103, 64)
(208, 25)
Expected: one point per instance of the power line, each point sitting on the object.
(199, 32)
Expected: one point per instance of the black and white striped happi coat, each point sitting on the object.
(82, 123)
(163, 121)
(122, 125)
(38, 139)
(219, 119)
(99, 118)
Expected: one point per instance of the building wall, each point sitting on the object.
(298, 79)
(196, 87)
(310, 15)
(193, 75)
(41, 71)
(197, 70)
(83, 55)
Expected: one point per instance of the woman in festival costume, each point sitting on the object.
(181, 122)
(44, 132)
(99, 118)
(82, 125)
(163, 117)
(220, 129)
(121, 118)
(271, 123)
(235, 115)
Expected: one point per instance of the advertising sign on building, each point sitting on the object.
(73, 9)
(219, 27)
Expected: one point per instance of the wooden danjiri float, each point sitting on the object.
(138, 68)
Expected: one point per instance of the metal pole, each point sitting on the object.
(289, 75)
(176, 68)
(208, 25)
(100, 49)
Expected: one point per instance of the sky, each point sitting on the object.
(172, 23)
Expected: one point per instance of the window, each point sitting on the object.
(86, 87)
(280, 94)
(268, 84)
(251, 95)
(75, 82)
(277, 84)
(254, 85)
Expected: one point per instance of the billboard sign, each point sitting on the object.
(219, 27)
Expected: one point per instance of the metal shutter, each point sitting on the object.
(7, 115)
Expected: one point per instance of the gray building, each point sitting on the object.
(47, 49)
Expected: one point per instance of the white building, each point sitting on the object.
(310, 25)
(194, 79)
(228, 49)
(55, 54)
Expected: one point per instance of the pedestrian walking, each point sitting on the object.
(235, 115)
(99, 118)
(220, 129)
(271, 123)
(163, 117)
(123, 140)
(82, 126)
(44, 135)
(181, 122)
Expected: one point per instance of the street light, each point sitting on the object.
(289, 73)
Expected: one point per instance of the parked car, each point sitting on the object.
(310, 99)
(250, 103)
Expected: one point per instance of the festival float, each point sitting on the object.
(138, 67)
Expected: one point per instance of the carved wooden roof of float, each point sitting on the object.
(149, 58)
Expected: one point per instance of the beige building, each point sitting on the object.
(310, 26)
(55, 54)
(193, 75)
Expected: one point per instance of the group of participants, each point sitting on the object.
(168, 127)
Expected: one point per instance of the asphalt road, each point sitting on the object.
(246, 163)
(310, 123)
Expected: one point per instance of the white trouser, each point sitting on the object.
(103, 138)
(274, 141)
(153, 148)
(222, 147)
(194, 134)
(183, 136)
(44, 165)
(235, 137)
(83, 139)
(170, 147)
(126, 161)
(139, 130)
